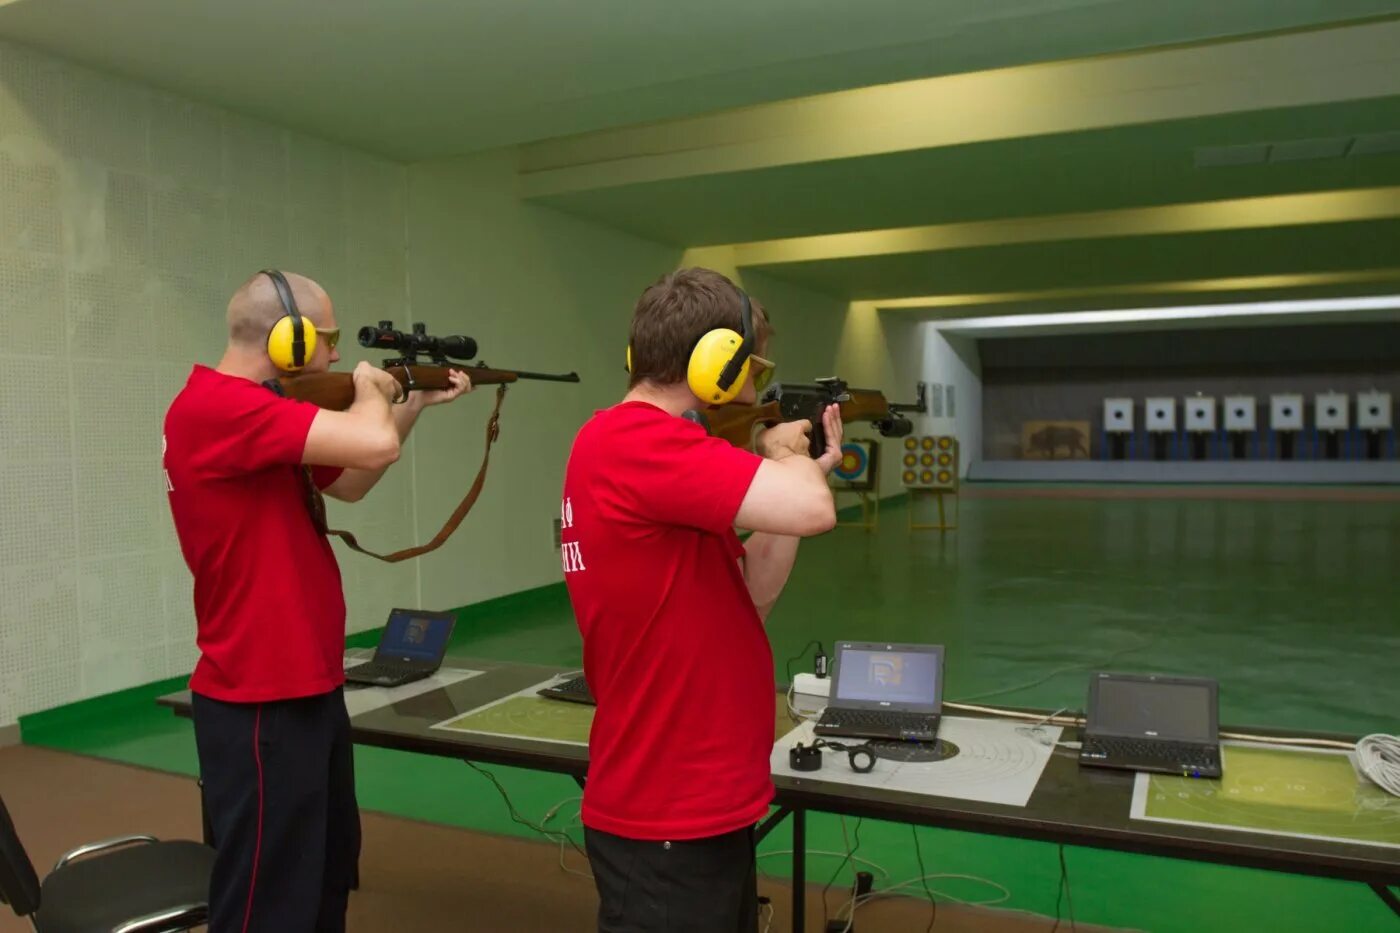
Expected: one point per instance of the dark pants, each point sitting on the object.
(688, 886)
(279, 791)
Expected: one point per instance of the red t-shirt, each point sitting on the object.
(673, 649)
(267, 591)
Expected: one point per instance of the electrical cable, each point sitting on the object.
(850, 853)
(1079, 720)
(923, 877)
(802, 654)
(515, 814)
(1061, 670)
(1378, 756)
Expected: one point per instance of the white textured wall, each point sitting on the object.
(127, 216)
(953, 360)
(546, 291)
(884, 350)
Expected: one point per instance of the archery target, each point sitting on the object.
(856, 470)
(934, 466)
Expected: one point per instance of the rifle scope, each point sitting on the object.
(383, 337)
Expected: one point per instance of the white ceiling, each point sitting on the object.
(422, 78)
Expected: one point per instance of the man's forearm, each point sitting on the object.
(768, 560)
(353, 484)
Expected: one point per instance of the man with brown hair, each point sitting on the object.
(671, 606)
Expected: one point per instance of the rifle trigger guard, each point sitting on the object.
(409, 385)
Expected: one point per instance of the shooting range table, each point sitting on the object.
(480, 717)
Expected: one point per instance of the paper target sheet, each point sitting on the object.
(986, 760)
(1279, 790)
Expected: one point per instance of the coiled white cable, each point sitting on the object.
(1378, 755)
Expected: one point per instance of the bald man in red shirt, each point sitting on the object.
(270, 723)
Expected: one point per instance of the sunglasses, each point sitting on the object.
(329, 334)
(762, 372)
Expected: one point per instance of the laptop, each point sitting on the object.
(1148, 722)
(411, 647)
(885, 691)
(572, 689)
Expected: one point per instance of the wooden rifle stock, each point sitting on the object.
(336, 391)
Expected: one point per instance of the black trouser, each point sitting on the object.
(279, 791)
(688, 886)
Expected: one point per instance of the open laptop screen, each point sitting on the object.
(893, 677)
(1153, 709)
(415, 636)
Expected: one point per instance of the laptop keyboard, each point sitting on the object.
(885, 722)
(1178, 753)
(575, 688)
(372, 669)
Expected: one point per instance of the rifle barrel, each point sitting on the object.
(548, 377)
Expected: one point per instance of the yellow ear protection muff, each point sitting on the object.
(291, 341)
(719, 364)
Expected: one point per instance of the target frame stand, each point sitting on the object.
(933, 473)
(869, 493)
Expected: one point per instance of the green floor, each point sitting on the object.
(1292, 604)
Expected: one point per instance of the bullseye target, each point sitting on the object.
(856, 471)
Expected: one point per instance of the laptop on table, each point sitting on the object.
(573, 689)
(412, 647)
(1148, 722)
(885, 691)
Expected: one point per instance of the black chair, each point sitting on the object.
(133, 884)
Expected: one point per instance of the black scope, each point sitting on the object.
(383, 337)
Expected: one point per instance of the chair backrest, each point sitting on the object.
(19, 885)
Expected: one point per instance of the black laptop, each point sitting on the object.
(885, 691)
(1147, 722)
(411, 647)
(573, 689)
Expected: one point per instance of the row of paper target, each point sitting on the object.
(926, 462)
(1331, 411)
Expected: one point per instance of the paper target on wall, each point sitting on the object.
(858, 466)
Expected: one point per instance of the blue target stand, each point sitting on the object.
(858, 474)
(1375, 426)
(1200, 426)
(1331, 431)
(1164, 440)
(1116, 437)
(1241, 423)
(1285, 426)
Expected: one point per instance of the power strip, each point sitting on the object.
(812, 685)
